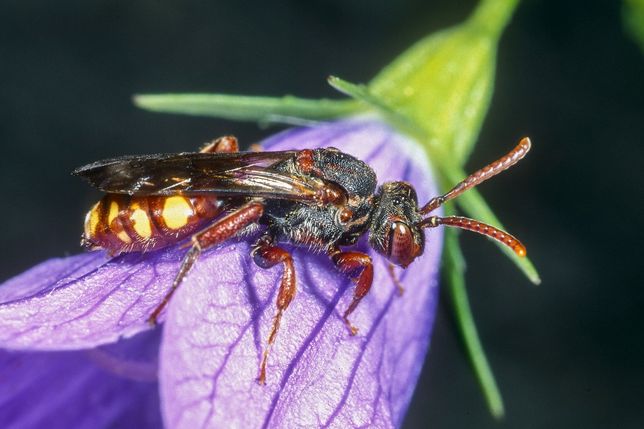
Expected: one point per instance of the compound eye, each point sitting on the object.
(402, 248)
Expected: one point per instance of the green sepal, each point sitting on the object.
(444, 82)
(287, 109)
(454, 273)
(362, 93)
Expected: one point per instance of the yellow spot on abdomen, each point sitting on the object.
(122, 235)
(176, 212)
(140, 221)
(117, 229)
(114, 211)
(91, 221)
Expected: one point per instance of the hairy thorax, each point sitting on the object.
(320, 227)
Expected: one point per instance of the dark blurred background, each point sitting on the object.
(567, 354)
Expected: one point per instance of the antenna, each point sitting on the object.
(480, 176)
(474, 179)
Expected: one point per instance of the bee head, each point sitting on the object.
(394, 230)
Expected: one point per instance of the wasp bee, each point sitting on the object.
(323, 199)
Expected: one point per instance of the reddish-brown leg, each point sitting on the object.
(221, 230)
(305, 162)
(266, 255)
(394, 278)
(225, 144)
(358, 267)
(331, 193)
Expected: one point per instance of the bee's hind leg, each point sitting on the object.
(225, 144)
(221, 230)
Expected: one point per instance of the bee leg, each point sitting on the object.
(394, 278)
(266, 255)
(305, 163)
(225, 144)
(256, 147)
(221, 230)
(359, 268)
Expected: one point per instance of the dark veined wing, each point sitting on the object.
(193, 173)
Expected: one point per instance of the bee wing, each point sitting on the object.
(190, 173)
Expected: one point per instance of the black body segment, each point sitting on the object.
(323, 226)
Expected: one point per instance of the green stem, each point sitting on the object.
(492, 16)
(455, 275)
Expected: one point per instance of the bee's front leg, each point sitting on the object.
(358, 267)
(266, 255)
(391, 269)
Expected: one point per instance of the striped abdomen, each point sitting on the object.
(122, 223)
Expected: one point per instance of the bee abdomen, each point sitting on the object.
(122, 223)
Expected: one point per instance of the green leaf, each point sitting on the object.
(246, 108)
(444, 82)
(633, 17)
(454, 271)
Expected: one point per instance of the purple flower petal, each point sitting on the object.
(318, 375)
(84, 300)
(112, 386)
